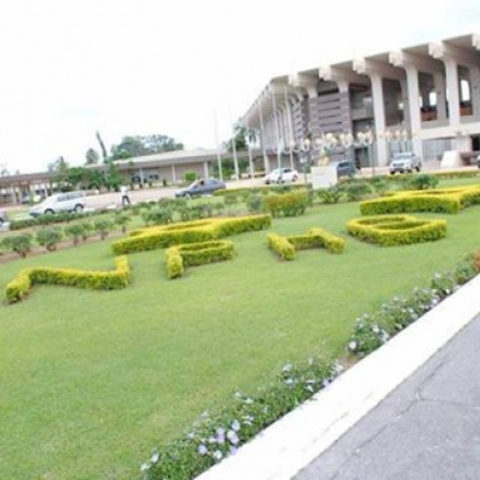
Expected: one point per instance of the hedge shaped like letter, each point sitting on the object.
(21, 285)
(445, 200)
(180, 256)
(188, 232)
(286, 247)
(392, 230)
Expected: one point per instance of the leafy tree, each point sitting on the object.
(60, 169)
(49, 238)
(242, 135)
(135, 146)
(122, 219)
(75, 231)
(103, 227)
(91, 157)
(20, 244)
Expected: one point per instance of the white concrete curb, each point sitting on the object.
(284, 448)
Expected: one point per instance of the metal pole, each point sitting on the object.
(234, 148)
(217, 143)
(290, 127)
(250, 159)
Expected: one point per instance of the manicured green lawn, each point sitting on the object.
(91, 382)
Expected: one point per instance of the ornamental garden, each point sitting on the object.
(168, 347)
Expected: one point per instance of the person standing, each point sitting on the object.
(125, 197)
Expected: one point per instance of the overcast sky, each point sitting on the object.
(70, 67)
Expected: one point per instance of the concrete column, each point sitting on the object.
(406, 104)
(142, 179)
(379, 116)
(475, 90)
(174, 175)
(414, 108)
(440, 90)
(451, 69)
(206, 173)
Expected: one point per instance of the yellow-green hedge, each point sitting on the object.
(21, 285)
(188, 232)
(445, 200)
(288, 204)
(180, 256)
(392, 230)
(286, 247)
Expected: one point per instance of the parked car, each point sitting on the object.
(345, 168)
(60, 202)
(201, 187)
(478, 161)
(3, 217)
(405, 162)
(281, 175)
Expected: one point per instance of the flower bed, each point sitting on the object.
(180, 256)
(393, 230)
(446, 200)
(188, 232)
(21, 285)
(219, 434)
(286, 247)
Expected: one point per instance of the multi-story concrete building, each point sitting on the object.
(429, 92)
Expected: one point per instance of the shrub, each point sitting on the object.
(49, 238)
(158, 216)
(423, 181)
(87, 229)
(231, 199)
(255, 203)
(103, 227)
(393, 230)
(447, 200)
(330, 195)
(75, 231)
(190, 176)
(281, 246)
(289, 204)
(20, 244)
(188, 232)
(356, 191)
(286, 247)
(180, 256)
(20, 286)
(122, 219)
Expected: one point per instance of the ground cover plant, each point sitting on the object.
(392, 230)
(94, 381)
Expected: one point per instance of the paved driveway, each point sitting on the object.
(427, 429)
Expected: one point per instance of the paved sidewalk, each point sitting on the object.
(426, 429)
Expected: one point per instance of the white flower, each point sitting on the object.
(155, 457)
(249, 401)
(287, 368)
(309, 388)
(220, 435)
(232, 437)
(288, 381)
(144, 467)
(217, 455)
(202, 450)
(191, 436)
(235, 425)
(352, 346)
(326, 382)
(233, 450)
(212, 440)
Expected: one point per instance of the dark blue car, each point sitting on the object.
(201, 187)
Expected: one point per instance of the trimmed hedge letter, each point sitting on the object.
(286, 247)
(21, 285)
(188, 232)
(392, 230)
(180, 256)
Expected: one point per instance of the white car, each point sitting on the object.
(405, 162)
(60, 202)
(281, 175)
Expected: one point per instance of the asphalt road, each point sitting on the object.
(427, 429)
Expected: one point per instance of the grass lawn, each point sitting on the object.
(91, 382)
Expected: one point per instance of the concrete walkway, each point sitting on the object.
(426, 429)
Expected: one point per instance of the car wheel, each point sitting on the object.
(49, 211)
(418, 169)
(188, 195)
(78, 208)
(267, 182)
(294, 178)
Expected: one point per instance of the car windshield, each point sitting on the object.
(402, 156)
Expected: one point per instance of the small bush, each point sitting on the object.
(255, 203)
(75, 231)
(330, 195)
(49, 238)
(190, 176)
(423, 181)
(20, 244)
(87, 229)
(357, 191)
(289, 204)
(103, 227)
(158, 216)
(122, 219)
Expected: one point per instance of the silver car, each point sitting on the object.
(405, 162)
(60, 202)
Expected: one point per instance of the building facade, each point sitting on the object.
(429, 92)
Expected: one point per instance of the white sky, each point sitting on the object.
(70, 67)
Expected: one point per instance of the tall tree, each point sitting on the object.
(59, 167)
(242, 136)
(135, 146)
(91, 157)
(102, 146)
